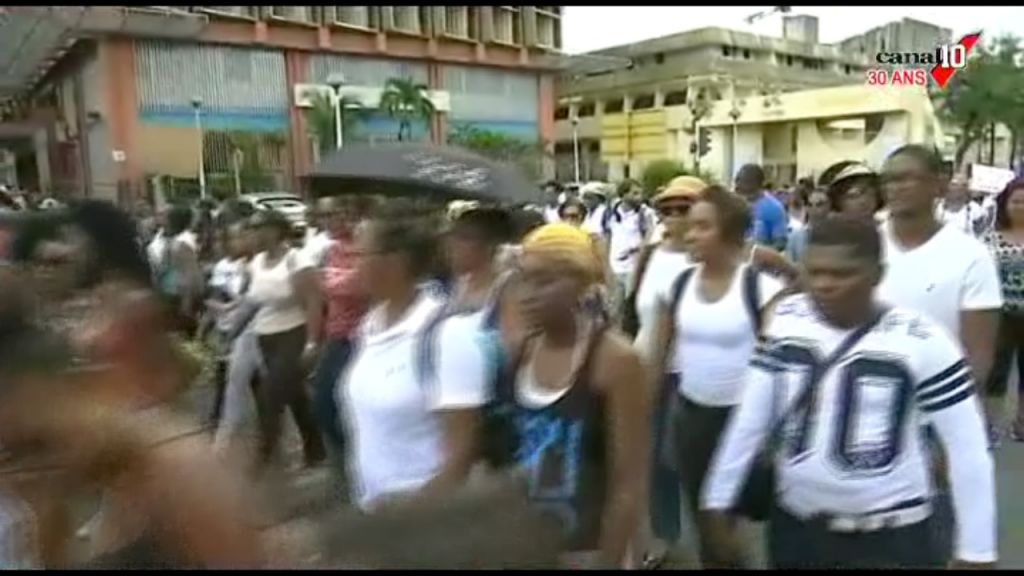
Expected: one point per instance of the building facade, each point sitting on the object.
(648, 107)
(233, 82)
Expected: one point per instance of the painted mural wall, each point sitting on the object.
(484, 97)
(371, 72)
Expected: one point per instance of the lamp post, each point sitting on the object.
(197, 107)
(735, 115)
(336, 81)
(576, 147)
(697, 108)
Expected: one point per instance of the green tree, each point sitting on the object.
(320, 120)
(659, 173)
(406, 101)
(500, 147)
(988, 91)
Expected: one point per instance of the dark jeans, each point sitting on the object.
(795, 544)
(698, 430)
(333, 360)
(285, 386)
(1009, 343)
(666, 497)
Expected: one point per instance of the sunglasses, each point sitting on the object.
(572, 216)
(680, 209)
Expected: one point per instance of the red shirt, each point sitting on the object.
(346, 303)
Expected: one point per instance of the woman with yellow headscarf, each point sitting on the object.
(580, 420)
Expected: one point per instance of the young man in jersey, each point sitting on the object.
(854, 488)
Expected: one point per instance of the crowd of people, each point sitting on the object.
(628, 369)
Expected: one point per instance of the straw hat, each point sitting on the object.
(688, 187)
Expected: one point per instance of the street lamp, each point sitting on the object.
(576, 147)
(197, 107)
(698, 108)
(336, 81)
(734, 113)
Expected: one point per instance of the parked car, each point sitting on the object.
(288, 204)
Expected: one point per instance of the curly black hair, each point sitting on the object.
(113, 235)
(1003, 199)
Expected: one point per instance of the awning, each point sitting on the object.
(33, 38)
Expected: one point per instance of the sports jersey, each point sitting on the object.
(858, 450)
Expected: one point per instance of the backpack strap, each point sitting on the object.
(426, 349)
(676, 299)
(752, 298)
(642, 260)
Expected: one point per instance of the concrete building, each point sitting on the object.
(647, 108)
(113, 89)
(799, 134)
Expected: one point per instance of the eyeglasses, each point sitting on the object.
(572, 216)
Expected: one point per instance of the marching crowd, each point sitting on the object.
(831, 361)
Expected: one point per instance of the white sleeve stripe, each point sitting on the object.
(951, 384)
(942, 376)
(951, 400)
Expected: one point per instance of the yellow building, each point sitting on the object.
(792, 134)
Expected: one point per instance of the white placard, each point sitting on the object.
(989, 179)
(119, 156)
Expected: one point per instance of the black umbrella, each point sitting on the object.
(451, 173)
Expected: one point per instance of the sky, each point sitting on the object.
(586, 28)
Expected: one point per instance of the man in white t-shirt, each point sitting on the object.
(627, 225)
(935, 268)
(940, 271)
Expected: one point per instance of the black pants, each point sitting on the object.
(795, 544)
(1009, 343)
(285, 386)
(698, 430)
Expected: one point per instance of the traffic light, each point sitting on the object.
(703, 142)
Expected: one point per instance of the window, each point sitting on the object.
(353, 15)
(547, 27)
(585, 110)
(659, 58)
(847, 70)
(789, 60)
(643, 102)
(506, 24)
(675, 98)
(456, 21)
(727, 51)
(232, 10)
(561, 113)
(746, 54)
(296, 13)
(613, 106)
(407, 19)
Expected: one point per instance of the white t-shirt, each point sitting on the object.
(714, 340)
(551, 214)
(272, 289)
(662, 270)
(972, 218)
(316, 245)
(228, 276)
(189, 238)
(626, 236)
(398, 442)
(594, 219)
(155, 249)
(950, 273)
(861, 451)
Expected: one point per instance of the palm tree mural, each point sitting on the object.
(406, 101)
(320, 120)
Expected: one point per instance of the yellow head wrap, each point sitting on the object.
(568, 244)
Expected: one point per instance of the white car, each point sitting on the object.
(290, 205)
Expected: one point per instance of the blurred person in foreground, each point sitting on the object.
(834, 360)
(581, 424)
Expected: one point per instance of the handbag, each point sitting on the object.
(757, 497)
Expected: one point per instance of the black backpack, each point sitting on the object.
(612, 211)
(751, 293)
